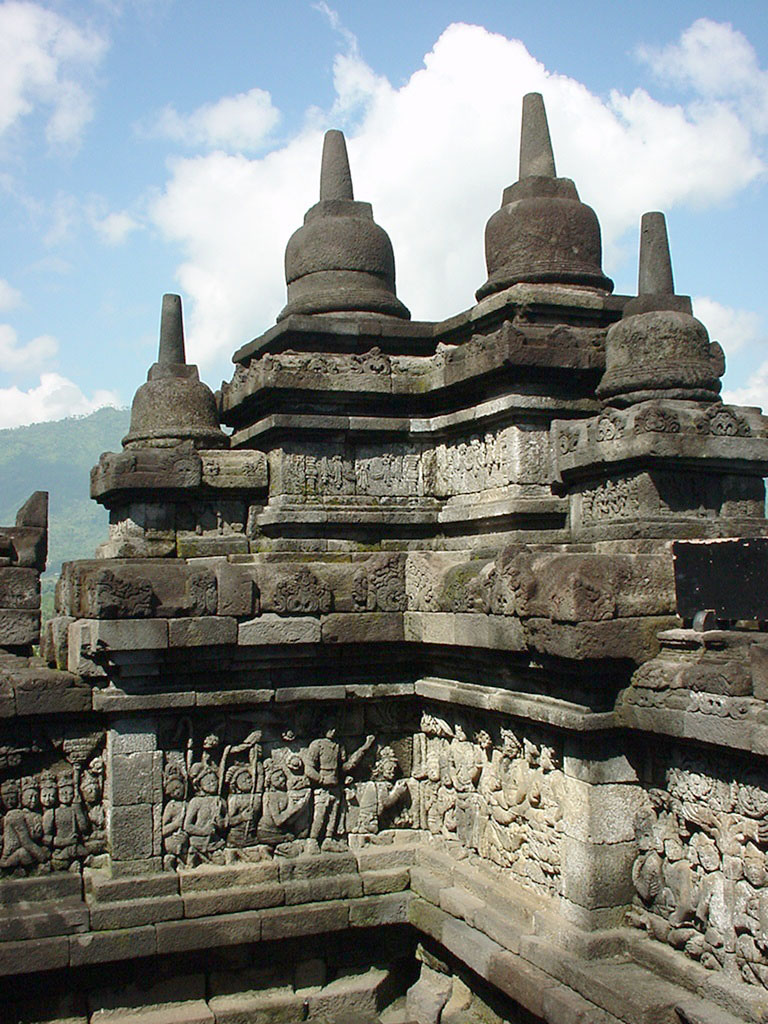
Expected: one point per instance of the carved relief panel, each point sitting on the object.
(303, 780)
(51, 794)
(700, 876)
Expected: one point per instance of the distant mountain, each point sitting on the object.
(57, 457)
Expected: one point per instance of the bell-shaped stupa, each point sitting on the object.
(658, 349)
(340, 260)
(174, 405)
(543, 233)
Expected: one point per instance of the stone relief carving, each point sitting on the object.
(479, 462)
(721, 421)
(52, 805)
(611, 499)
(502, 800)
(280, 792)
(380, 584)
(301, 592)
(700, 875)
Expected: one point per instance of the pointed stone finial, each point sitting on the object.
(335, 177)
(655, 265)
(655, 283)
(536, 156)
(171, 348)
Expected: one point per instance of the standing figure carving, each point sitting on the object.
(326, 763)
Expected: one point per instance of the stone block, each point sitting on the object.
(376, 858)
(40, 888)
(54, 641)
(104, 946)
(560, 1005)
(19, 627)
(363, 628)
(202, 631)
(459, 903)
(308, 919)
(128, 635)
(327, 865)
(234, 900)
(205, 932)
(581, 761)
(627, 991)
(426, 885)
(131, 735)
(80, 650)
(39, 920)
(376, 883)
(500, 925)
(101, 888)
(275, 1006)
(372, 911)
(192, 546)
(183, 1011)
(278, 629)
(208, 878)
(136, 778)
(473, 948)
(758, 661)
(353, 996)
(427, 997)
(130, 832)
(520, 980)
(136, 912)
(238, 592)
(19, 588)
(334, 887)
(601, 814)
(597, 874)
(51, 692)
(34, 955)
(427, 918)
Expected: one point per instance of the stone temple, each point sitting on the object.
(433, 689)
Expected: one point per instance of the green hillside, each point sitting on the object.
(57, 457)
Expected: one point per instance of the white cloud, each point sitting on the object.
(717, 62)
(754, 392)
(115, 227)
(734, 328)
(9, 296)
(54, 398)
(433, 157)
(16, 358)
(44, 58)
(240, 123)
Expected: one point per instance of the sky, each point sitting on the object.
(149, 146)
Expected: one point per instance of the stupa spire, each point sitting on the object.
(171, 347)
(655, 265)
(335, 176)
(536, 156)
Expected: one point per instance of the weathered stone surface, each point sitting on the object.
(275, 629)
(393, 662)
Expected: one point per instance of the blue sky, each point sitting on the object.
(174, 145)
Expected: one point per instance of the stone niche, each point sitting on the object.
(433, 691)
